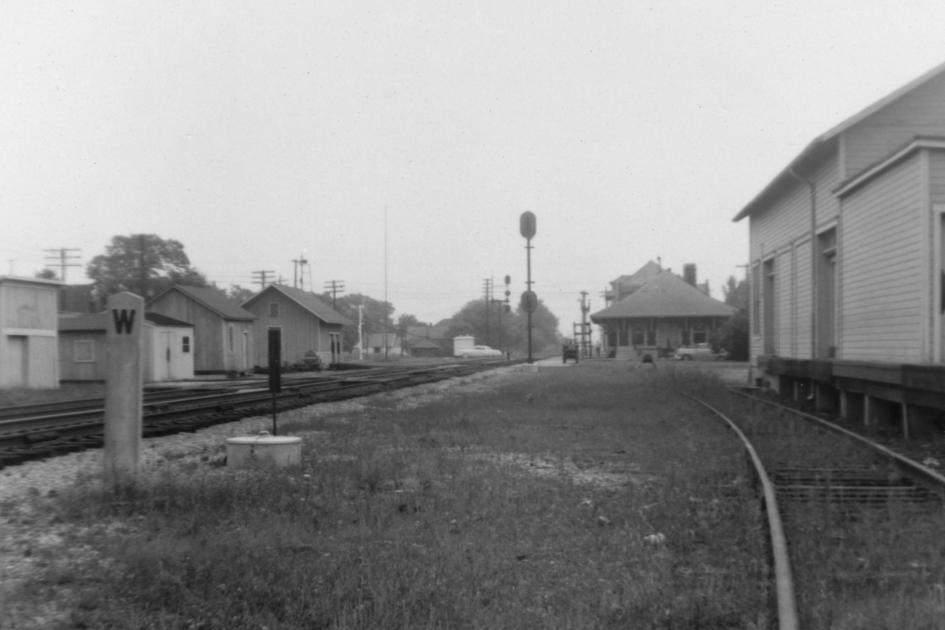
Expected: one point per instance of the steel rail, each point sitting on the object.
(784, 580)
(191, 409)
(910, 464)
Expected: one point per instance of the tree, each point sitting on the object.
(239, 294)
(506, 330)
(733, 335)
(143, 263)
(46, 274)
(375, 315)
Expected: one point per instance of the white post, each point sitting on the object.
(360, 332)
(123, 387)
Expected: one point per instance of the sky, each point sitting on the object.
(394, 145)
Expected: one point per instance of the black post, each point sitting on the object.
(527, 226)
(528, 282)
(275, 375)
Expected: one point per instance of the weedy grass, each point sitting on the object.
(585, 497)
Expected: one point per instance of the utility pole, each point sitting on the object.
(142, 270)
(63, 256)
(360, 332)
(260, 277)
(585, 327)
(504, 307)
(334, 287)
(487, 295)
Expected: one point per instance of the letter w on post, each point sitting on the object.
(124, 319)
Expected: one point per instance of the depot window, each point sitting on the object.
(185, 344)
(273, 309)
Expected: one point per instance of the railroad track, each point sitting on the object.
(856, 528)
(29, 432)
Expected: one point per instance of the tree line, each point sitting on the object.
(147, 265)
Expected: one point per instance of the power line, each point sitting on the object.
(335, 287)
(63, 255)
(260, 277)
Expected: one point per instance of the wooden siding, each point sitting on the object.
(780, 223)
(917, 113)
(803, 303)
(29, 306)
(301, 330)
(29, 347)
(937, 176)
(827, 178)
(784, 315)
(211, 347)
(72, 370)
(882, 291)
(165, 359)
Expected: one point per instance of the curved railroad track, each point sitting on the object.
(29, 432)
(856, 527)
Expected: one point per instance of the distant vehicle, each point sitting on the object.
(569, 351)
(479, 351)
(698, 352)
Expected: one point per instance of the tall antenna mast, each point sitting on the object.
(386, 315)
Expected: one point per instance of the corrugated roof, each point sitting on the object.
(213, 299)
(309, 301)
(821, 142)
(666, 295)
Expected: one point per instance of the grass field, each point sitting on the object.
(586, 497)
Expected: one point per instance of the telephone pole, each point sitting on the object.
(487, 294)
(63, 256)
(335, 287)
(261, 275)
(585, 331)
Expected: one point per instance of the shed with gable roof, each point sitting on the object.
(309, 327)
(223, 330)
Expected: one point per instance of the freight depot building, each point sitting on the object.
(847, 247)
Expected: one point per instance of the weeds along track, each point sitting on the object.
(29, 432)
(863, 525)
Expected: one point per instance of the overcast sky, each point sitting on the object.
(259, 132)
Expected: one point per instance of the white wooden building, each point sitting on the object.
(29, 355)
(168, 351)
(847, 254)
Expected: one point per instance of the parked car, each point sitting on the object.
(698, 352)
(480, 351)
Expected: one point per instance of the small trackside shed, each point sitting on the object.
(29, 349)
(657, 313)
(847, 253)
(168, 352)
(308, 325)
(223, 331)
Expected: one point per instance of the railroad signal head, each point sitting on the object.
(529, 301)
(526, 224)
